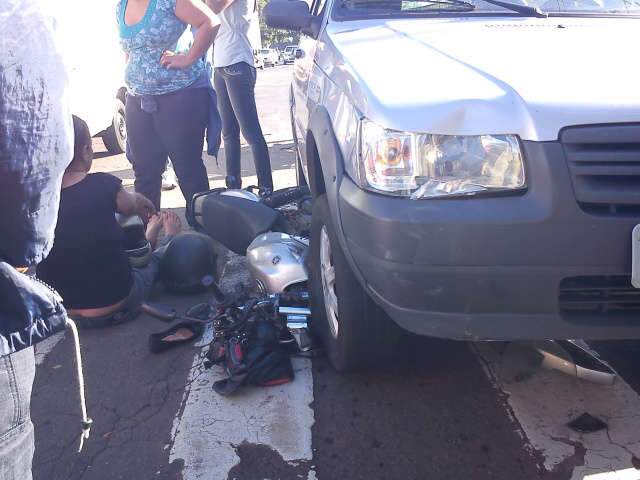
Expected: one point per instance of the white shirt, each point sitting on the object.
(232, 44)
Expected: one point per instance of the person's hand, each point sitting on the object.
(144, 207)
(172, 60)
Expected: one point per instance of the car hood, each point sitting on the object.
(467, 76)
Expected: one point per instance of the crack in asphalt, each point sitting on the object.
(619, 445)
(118, 432)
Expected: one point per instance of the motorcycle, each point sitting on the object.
(271, 231)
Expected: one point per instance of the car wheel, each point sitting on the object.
(115, 137)
(355, 331)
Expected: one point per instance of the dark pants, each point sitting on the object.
(235, 86)
(143, 280)
(175, 130)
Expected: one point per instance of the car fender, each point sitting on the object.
(331, 169)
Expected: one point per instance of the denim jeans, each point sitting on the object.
(16, 430)
(235, 86)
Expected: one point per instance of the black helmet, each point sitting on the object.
(188, 263)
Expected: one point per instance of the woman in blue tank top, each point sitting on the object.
(168, 98)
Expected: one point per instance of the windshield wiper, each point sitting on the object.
(524, 9)
(449, 3)
(459, 5)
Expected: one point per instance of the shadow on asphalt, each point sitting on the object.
(132, 396)
(281, 154)
(430, 414)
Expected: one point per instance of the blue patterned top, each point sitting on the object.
(159, 30)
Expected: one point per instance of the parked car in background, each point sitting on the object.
(96, 68)
(257, 59)
(485, 189)
(269, 57)
(288, 54)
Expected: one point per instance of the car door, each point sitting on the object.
(301, 102)
(94, 59)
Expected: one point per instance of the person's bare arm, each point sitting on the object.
(218, 5)
(134, 204)
(198, 15)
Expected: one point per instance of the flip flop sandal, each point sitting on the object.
(183, 332)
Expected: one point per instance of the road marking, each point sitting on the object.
(208, 427)
(544, 401)
(43, 348)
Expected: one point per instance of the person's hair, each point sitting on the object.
(81, 139)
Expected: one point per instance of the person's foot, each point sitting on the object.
(172, 223)
(153, 229)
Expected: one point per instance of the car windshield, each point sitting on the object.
(264, 52)
(408, 8)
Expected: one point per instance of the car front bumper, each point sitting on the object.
(496, 268)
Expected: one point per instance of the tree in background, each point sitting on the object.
(273, 37)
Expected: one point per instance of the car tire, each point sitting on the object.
(361, 335)
(115, 137)
(301, 181)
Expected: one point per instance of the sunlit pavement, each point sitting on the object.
(441, 410)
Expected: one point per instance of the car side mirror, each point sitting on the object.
(292, 15)
(298, 53)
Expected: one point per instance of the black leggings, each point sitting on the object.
(237, 106)
(175, 130)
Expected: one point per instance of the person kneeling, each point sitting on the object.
(88, 264)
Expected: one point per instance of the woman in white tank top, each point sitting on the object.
(235, 80)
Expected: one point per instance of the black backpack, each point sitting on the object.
(247, 343)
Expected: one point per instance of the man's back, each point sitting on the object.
(34, 123)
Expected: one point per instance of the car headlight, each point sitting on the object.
(432, 166)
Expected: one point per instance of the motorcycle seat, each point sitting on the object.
(234, 221)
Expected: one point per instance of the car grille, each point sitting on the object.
(604, 162)
(599, 295)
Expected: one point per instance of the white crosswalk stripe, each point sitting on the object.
(544, 401)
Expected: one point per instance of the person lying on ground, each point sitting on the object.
(88, 264)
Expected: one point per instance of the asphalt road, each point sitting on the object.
(440, 410)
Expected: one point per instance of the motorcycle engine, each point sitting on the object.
(277, 261)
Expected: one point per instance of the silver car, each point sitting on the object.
(475, 169)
